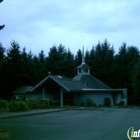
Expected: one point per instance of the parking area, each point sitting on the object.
(105, 124)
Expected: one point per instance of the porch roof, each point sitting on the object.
(67, 83)
(22, 90)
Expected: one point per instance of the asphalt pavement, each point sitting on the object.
(106, 124)
(30, 112)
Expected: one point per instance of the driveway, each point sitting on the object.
(109, 124)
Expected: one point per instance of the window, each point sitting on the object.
(85, 71)
(79, 70)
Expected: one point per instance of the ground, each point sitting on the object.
(105, 124)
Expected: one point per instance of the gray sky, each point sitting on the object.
(39, 24)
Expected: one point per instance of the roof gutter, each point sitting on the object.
(102, 90)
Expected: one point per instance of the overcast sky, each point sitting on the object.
(40, 24)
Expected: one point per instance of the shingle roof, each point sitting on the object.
(77, 84)
(22, 90)
(69, 84)
(91, 81)
(83, 66)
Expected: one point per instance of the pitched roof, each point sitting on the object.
(77, 84)
(91, 81)
(83, 66)
(22, 90)
(68, 84)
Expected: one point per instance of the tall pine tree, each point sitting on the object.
(1, 26)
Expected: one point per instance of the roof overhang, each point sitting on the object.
(49, 76)
(103, 90)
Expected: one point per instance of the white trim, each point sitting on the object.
(61, 97)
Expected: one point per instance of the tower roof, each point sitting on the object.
(83, 66)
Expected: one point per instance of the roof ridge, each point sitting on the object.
(64, 78)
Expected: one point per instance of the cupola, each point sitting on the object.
(83, 68)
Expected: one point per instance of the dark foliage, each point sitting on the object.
(15, 106)
(1, 26)
(117, 70)
(107, 102)
(3, 104)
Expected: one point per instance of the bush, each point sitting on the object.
(20, 98)
(32, 103)
(121, 103)
(3, 103)
(82, 104)
(3, 110)
(17, 106)
(43, 103)
(93, 104)
(107, 101)
(90, 102)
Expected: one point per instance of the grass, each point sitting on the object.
(4, 135)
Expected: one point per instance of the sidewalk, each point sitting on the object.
(32, 112)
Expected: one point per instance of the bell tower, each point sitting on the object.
(83, 68)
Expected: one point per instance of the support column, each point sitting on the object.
(61, 97)
(112, 102)
(75, 99)
(43, 92)
(124, 92)
(88, 71)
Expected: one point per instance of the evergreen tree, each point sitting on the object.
(87, 57)
(2, 58)
(12, 69)
(135, 97)
(92, 60)
(69, 64)
(1, 26)
(120, 67)
(125, 61)
(120, 70)
(60, 61)
(78, 58)
(103, 62)
(41, 57)
(2, 50)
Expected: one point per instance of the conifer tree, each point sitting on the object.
(1, 26)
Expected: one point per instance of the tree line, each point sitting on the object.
(117, 70)
(1, 26)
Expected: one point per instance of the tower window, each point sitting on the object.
(79, 70)
(85, 71)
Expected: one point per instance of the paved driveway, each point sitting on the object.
(110, 124)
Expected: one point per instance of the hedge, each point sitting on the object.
(3, 103)
(17, 106)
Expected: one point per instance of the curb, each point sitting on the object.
(28, 113)
(18, 114)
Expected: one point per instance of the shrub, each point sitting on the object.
(3, 103)
(3, 110)
(121, 103)
(82, 104)
(107, 101)
(43, 103)
(17, 106)
(93, 104)
(89, 102)
(32, 103)
(20, 98)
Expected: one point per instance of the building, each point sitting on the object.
(66, 91)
